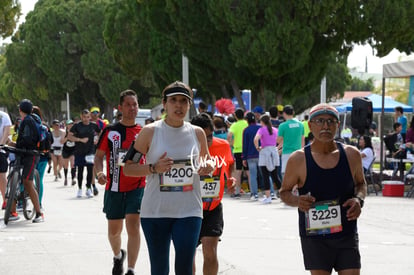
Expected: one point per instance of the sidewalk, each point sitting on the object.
(257, 239)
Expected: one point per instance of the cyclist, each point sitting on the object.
(5, 124)
(28, 138)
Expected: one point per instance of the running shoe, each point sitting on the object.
(73, 182)
(56, 178)
(254, 197)
(39, 218)
(89, 193)
(79, 195)
(14, 216)
(95, 191)
(130, 272)
(59, 175)
(50, 168)
(3, 206)
(267, 200)
(118, 268)
(65, 182)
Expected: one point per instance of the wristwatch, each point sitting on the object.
(361, 201)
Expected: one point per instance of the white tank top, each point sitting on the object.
(56, 140)
(178, 143)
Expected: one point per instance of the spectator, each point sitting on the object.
(290, 135)
(402, 119)
(235, 137)
(367, 152)
(250, 154)
(306, 130)
(268, 155)
(202, 107)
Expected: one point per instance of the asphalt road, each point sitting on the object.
(257, 239)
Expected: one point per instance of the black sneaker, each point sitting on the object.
(130, 272)
(39, 218)
(95, 191)
(50, 168)
(118, 268)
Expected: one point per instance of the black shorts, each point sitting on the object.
(239, 162)
(325, 254)
(213, 223)
(3, 163)
(118, 204)
(67, 153)
(29, 166)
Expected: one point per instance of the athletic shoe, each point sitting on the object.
(59, 175)
(95, 191)
(79, 195)
(273, 196)
(88, 193)
(267, 200)
(39, 218)
(73, 182)
(65, 182)
(254, 197)
(56, 178)
(130, 272)
(3, 206)
(14, 216)
(118, 268)
(50, 168)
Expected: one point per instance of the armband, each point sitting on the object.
(133, 154)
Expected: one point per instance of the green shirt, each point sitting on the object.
(292, 132)
(306, 128)
(237, 129)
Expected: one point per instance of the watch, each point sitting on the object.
(361, 201)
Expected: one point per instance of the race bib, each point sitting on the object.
(90, 158)
(179, 178)
(210, 188)
(323, 218)
(121, 156)
(57, 152)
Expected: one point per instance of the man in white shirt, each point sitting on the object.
(5, 124)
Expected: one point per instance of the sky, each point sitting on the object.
(356, 59)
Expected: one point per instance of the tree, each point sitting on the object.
(9, 16)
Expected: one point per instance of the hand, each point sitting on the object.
(305, 202)
(231, 181)
(163, 164)
(102, 179)
(354, 209)
(207, 168)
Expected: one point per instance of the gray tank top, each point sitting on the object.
(175, 194)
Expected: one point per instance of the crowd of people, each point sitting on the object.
(169, 177)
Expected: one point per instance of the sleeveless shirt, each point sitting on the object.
(179, 143)
(328, 184)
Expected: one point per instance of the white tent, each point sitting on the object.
(392, 70)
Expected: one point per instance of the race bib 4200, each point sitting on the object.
(179, 178)
(323, 218)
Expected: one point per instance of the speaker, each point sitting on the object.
(361, 115)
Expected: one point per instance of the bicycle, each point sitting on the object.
(15, 190)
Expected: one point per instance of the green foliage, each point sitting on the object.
(358, 84)
(9, 16)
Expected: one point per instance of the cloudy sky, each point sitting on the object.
(355, 60)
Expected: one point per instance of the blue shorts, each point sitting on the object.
(118, 204)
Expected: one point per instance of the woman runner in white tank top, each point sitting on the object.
(172, 207)
(56, 148)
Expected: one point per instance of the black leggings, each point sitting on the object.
(88, 176)
(273, 174)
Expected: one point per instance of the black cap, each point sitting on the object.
(250, 117)
(178, 88)
(288, 109)
(26, 106)
(55, 121)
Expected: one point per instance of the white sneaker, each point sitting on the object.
(254, 198)
(266, 200)
(79, 195)
(89, 193)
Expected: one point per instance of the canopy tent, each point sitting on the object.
(389, 105)
(394, 70)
